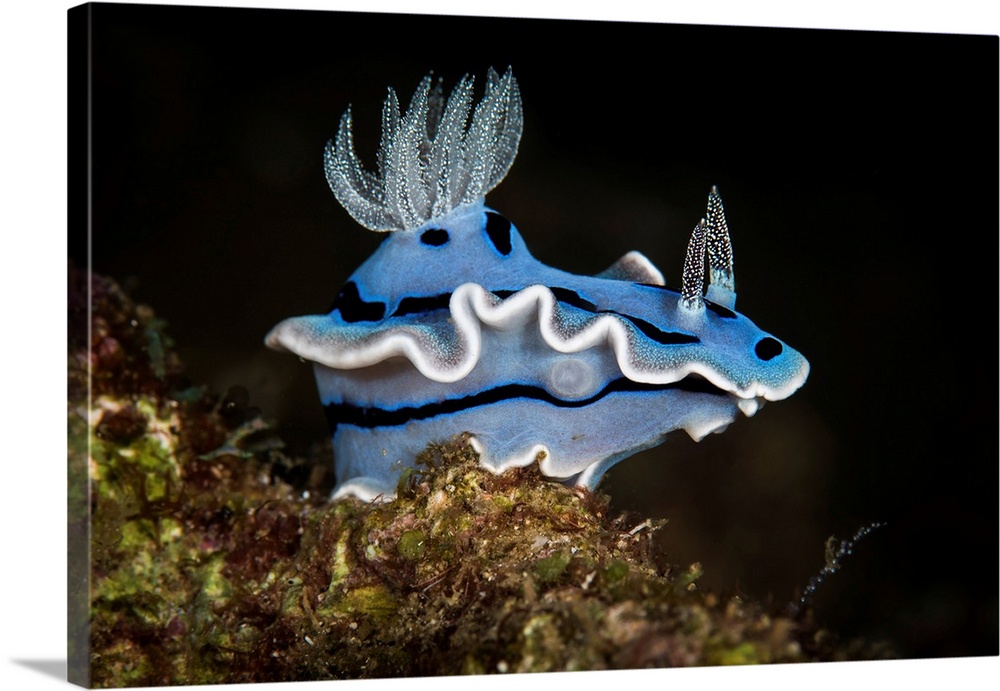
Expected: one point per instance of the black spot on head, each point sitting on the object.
(353, 308)
(498, 230)
(767, 348)
(435, 237)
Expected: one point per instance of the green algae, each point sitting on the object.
(208, 565)
(551, 567)
(411, 544)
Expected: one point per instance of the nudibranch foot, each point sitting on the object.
(453, 327)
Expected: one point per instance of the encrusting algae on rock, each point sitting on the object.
(215, 558)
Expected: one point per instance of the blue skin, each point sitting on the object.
(563, 415)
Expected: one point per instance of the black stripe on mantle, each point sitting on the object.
(421, 305)
(371, 418)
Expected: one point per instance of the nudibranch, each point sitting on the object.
(453, 327)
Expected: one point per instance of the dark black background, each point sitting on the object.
(859, 172)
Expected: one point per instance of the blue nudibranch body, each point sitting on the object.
(452, 326)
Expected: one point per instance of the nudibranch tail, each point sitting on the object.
(433, 159)
(452, 327)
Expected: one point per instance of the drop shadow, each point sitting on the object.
(50, 668)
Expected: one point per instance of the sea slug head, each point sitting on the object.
(738, 356)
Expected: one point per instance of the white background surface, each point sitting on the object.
(33, 655)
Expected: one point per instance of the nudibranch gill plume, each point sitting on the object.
(453, 327)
